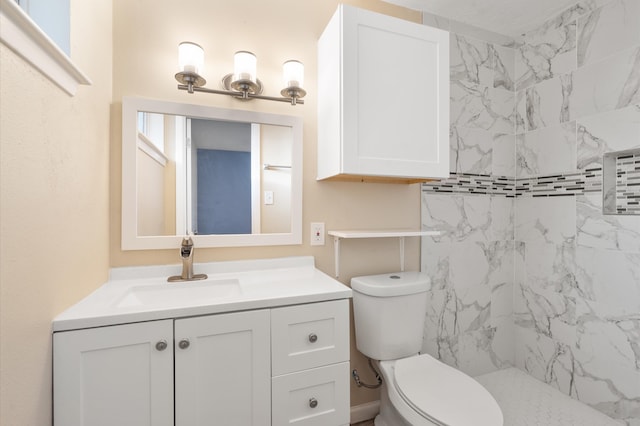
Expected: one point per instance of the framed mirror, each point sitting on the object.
(228, 177)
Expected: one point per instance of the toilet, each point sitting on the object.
(389, 312)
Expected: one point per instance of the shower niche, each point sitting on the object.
(621, 182)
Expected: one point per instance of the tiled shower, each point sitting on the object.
(528, 270)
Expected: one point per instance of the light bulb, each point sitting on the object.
(293, 73)
(244, 66)
(190, 57)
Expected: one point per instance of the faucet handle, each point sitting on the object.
(186, 247)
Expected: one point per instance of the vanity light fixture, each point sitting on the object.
(243, 82)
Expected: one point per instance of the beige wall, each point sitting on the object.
(146, 35)
(54, 241)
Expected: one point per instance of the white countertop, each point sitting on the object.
(255, 284)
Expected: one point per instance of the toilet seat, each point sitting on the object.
(440, 394)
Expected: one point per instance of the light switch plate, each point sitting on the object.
(268, 198)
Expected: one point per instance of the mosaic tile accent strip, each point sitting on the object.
(589, 180)
(473, 184)
(628, 184)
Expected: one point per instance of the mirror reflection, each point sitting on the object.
(228, 177)
(207, 176)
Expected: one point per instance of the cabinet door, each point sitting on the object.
(116, 375)
(396, 96)
(222, 368)
(393, 107)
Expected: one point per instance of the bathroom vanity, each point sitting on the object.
(262, 342)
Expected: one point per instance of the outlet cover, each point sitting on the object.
(317, 233)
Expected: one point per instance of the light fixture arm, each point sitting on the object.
(240, 95)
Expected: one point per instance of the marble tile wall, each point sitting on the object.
(577, 291)
(547, 283)
(469, 323)
(482, 99)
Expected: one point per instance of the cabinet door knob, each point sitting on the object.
(313, 403)
(184, 343)
(161, 345)
(313, 338)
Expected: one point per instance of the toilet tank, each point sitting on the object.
(389, 313)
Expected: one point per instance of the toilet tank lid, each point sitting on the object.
(393, 284)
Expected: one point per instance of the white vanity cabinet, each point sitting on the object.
(383, 99)
(278, 366)
(118, 375)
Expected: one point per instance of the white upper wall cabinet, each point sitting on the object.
(383, 98)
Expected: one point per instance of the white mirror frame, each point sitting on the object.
(130, 238)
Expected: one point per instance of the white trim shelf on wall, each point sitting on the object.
(388, 233)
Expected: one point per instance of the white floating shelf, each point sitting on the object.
(382, 234)
(385, 233)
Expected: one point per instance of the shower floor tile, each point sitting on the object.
(526, 401)
(365, 423)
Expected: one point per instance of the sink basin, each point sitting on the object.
(176, 294)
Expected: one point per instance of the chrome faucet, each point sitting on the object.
(186, 254)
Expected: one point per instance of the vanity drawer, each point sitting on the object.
(308, 336)
(316, 397)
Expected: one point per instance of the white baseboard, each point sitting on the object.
(366, 411)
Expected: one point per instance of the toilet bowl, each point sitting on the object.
(424, 391)
(417, 390)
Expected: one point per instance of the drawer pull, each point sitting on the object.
(313, 338)
(313, 403)
(184, 343)
(161, 345)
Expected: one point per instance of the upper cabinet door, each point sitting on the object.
(383, 98)
(223, 370)
(120, 375)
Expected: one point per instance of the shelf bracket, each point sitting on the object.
(336, 254)
(401, 254)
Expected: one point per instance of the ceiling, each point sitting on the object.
(507, 17)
